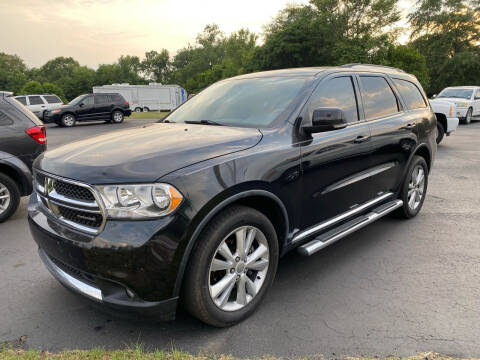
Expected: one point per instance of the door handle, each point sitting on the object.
(361, 138)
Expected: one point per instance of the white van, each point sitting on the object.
(152, 97)
(40, 104)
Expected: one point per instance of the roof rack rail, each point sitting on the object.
(374, 65)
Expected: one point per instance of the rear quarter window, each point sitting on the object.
(52, 99)
(22, 113)
(411, 94)
(5, 119)
(22, 99)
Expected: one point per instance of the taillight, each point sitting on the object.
(126, 102)
(38, 133)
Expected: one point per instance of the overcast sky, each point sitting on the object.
(99, 31)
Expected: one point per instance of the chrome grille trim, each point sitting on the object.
(49, 198)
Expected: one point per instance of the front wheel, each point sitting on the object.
(68, 120)
(468, 117)
(440, 132)
(117, 117)
(234, 265)
(414, 188)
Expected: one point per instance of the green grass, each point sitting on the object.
(138, 352)
(148, 115)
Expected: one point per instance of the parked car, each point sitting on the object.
(447, 122)
(466, 99)
(202, 205)
(40, 104)
(151, 97)
(22, 138)
(90, 107)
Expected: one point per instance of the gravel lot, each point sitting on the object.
(396, 287)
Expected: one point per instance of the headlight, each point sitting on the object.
(56, 111)
(139, 201)
(461, 104)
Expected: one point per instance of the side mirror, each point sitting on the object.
(326, 119)
(434, 96)
(81, 104)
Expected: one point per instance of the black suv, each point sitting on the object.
(201, 206)
(90, 107)
(22, 138)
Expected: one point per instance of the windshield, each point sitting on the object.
(456, 93)
(245, 102)
(77, 100)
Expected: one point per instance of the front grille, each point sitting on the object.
(81, 217)
(70, 203)
(73, 191)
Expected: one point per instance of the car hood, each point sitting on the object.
(144, 154)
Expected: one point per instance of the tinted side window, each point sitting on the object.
(88, 100)
(22, 99)
(52, 99)
(378, 97)
(5, 119)
(35, 100)
(118, 98)
(336, 93)
(102, 99)
(410, 93)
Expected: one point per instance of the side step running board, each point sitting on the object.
(349, 227)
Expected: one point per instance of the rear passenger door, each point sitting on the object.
(103, 106)
(393, 129)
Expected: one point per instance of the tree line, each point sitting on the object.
(443, 49)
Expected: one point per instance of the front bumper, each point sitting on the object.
(461, 113)
(130, 265)
(452, 124)
(52, 118)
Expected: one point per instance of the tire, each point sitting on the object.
(440, 132)
(68, 120)
(138, 109)
(117, 117)
(9, 204)
(468, 116)
(43, 115)
(146, 109)
(411, 209)
(201, 278)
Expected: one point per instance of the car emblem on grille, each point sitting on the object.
(49, 185)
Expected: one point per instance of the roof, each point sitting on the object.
(314, 71)
(34, 95)
(5, 93)
(462, 87)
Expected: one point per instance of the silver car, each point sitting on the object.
(40, 104)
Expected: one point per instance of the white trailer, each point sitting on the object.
(152, 97)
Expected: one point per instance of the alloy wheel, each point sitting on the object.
(416, 187)
(4, 198)
(239, 268)
(68, 120)
(468, 117)
(117, 116)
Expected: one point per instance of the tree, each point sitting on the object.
(57, 68)
(12, 73)
(155, 66)
(79, 82)
(50, 88)
(32, 87)
(447, 33)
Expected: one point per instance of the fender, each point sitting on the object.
(21, 170)
(209, 216)
(429, 162)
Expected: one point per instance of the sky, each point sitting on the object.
(98, 31)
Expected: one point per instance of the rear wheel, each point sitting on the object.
(68, 120)
(233, 267)
(440, 132)
(9, 197)
(414, 188)
(117, 117)
(138, 109)
(146, 109)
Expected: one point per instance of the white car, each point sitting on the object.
(447, 120)
(466, 99)
(40, 104)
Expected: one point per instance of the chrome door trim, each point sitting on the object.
(325, 224)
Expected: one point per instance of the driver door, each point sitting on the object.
(86, 109)
(335, 163)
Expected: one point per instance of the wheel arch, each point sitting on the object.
(19, 173)
(256, 198)
(424, 152)
(442, 119)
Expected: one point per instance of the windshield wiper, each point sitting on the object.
(203, 122)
